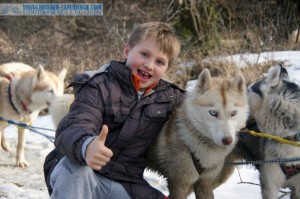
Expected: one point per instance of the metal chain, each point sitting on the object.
(259, 162)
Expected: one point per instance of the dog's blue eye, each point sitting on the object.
(213, 113)
(233, 113)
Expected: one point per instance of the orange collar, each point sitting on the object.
(136, 80)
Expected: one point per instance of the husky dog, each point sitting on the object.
(192, 146)
(24, 92)
(275, 106)
(60, 106)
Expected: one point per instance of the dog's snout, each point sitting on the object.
(227, 140)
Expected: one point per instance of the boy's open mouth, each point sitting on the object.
(143, 75)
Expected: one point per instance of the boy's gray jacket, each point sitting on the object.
(110, 98)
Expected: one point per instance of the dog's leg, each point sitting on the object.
(203, 189)
(177, 189)
(21, 162)
(295, 192)
(271, 179)
(3, 141)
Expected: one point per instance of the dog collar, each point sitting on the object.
(23, 105)
(10, 98)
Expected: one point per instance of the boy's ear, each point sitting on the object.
(125, 51)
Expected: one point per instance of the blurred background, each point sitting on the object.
(206, 28)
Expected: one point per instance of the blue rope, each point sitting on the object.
(31, 128)
(50, 138)
(257, 162)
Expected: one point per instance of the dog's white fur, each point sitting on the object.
(31, 90)
(204, 126)
(60, 106)
(277, 112)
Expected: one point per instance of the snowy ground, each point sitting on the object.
(28, 183)
(18, 183)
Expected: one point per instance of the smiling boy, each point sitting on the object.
(129, 103)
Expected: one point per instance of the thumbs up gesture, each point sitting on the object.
(97, 154)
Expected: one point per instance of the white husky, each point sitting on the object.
(60, 106)
(22, 96)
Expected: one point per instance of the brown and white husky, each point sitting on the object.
(193, 145)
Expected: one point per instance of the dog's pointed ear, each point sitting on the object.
(273, 77)
(239, 83)
(204, 81)
(62, 74)
(39, 74)
(283, 73)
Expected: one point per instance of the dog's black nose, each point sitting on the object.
(227, 140)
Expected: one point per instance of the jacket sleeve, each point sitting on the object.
(84, 120)
(181, 94)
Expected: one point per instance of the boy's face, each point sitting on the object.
(146, 61)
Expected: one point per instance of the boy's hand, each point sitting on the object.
(97, 154)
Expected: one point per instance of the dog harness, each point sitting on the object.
(290, 171)
(197, 164)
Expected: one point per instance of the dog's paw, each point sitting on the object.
(22, 163)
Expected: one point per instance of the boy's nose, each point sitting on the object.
(149, 64)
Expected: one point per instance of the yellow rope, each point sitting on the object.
(278, 139)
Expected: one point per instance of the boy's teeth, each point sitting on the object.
(144, 74)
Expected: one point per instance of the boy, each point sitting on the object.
(128, 103)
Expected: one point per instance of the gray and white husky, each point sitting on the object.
(275, 106)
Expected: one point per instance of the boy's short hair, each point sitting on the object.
(163, 34)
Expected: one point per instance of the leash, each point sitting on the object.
(260, 162)
(31, 128)
(278, 139)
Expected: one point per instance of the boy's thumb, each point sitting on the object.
(103, 134)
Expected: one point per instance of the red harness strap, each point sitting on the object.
(289, 171)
